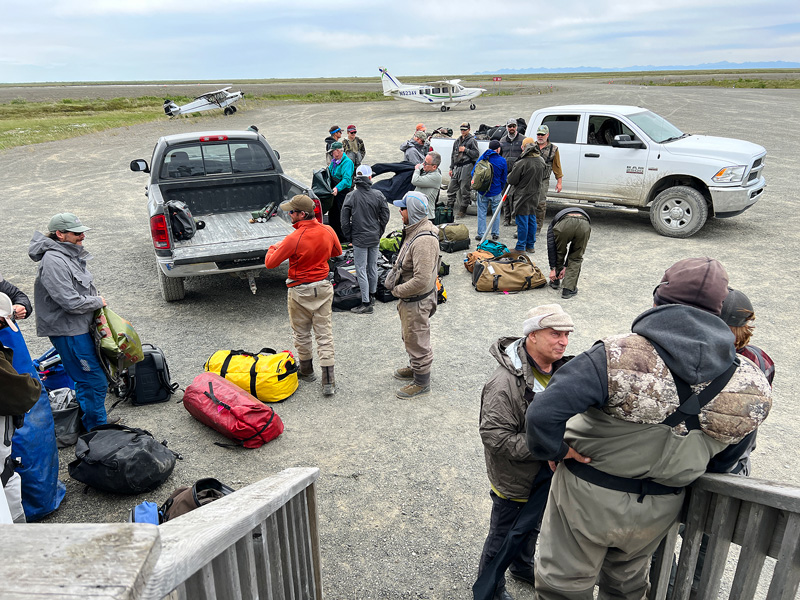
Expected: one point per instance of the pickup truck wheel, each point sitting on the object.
(171, 287)
(679, 212)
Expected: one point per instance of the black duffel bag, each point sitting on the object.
(346, 291)
(121, 460)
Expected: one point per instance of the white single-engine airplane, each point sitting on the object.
(218, 99)
(445, 93)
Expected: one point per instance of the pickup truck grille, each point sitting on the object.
(756, 168)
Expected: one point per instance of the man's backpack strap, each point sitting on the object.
(691, 403)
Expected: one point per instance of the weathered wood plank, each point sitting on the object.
(786, 578)
(276, 558)
(757, 535)
(200, 586)
(226, 575)
(761, 491)
(692, 537)
(304, 540)
(313, 527)
(659, 574)
(726, 510)
(95, 561)
(299, 543)
(245, 559)
(262, 562)
(287, 556)
(194, 539)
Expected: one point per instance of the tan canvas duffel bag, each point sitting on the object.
(474, 257)
(512, 272)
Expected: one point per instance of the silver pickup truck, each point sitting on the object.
(223, 177)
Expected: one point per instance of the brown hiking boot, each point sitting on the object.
(403, 373)
(413, 390)
(328, 383)
(306, 371)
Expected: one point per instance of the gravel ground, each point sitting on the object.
(404, 502)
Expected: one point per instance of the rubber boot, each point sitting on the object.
(419, 387)
(306, 372)
(328, 383)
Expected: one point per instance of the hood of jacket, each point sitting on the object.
(699, 346)
(363, 182)
(417, 206)
(530, 149)
(40, 244)
(506, 352)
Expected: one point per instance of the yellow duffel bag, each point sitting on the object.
(268, 375)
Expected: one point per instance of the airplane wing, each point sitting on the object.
(212, 95)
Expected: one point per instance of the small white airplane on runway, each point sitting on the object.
(445, 94)
(217, 99)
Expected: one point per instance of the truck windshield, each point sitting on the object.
(199, 160)
(657, 128)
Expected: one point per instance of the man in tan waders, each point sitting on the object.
(413, 281)
(310, 294)
(628, 450)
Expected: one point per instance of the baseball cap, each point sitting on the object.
(6, 310)
(547, 316)
(337, 146)
(67, 222)
(737, 309)
(364, 170)
(698, 282)
(420, 127)
(419, 196)
(299, 202)
(464, 125)
(351, 129)
(334, 129)
(543, 129)
(421, 135)
(528, 141)
(511, 122)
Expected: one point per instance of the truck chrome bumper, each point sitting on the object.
(208, 268)
(731, 201)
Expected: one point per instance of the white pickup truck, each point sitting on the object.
(629, 156)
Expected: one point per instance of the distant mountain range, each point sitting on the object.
(718, 66)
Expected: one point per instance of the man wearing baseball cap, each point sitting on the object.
(510, 149)
(310, 293)
(334, 134)
(354, 146)
(628, 451)
(413, 280)
(65, 298)
(552, 161)
(462, 160)
(365, 214)
(525, 367)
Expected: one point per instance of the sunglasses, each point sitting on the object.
(465, 129)
(291, 212)
(540, 134)
(511, 126)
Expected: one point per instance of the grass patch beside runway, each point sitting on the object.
(23, 123)
(781, 84)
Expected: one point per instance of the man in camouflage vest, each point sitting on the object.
(552, 161)
(628, 452)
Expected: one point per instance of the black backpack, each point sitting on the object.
(149, 380)
(181, 220)
(121, 460)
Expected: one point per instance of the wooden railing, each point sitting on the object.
(260, 542)
(761, 517)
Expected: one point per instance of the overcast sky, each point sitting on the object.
(117, 40)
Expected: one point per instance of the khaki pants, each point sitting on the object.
(310, 308)
(589, 530)
(416, 332)
(572, 232)
(541, 208)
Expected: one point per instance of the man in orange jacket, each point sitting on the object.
(310, 294)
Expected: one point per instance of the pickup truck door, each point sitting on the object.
(607, 171)
(564, 129)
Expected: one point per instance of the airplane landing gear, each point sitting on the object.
(443, 108)
(472, 107)
(228, 111)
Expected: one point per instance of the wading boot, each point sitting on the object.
(306, 371)
(420, 386)
(404, 374)
(328, 383)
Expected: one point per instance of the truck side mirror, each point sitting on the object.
(139, 165)
(624, 141)
(277, 154)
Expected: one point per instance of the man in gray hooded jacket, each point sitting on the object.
(413, 281)
(628, 452)
(65, 299)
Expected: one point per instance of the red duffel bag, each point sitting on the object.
(227, 408)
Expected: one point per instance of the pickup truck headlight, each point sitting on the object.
(730, 174)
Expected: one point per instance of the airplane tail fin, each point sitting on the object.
(390, 84)
(170, 108)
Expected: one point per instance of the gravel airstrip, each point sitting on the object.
(404, 502)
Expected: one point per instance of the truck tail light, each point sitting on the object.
(213, 138)
(159, 232)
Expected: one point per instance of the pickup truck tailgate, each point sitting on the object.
(230, 236)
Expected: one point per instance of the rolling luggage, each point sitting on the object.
(507, 273)
(453, 246)
(453, 237)
(268, 375)
(231, 411)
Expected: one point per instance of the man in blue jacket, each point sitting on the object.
(493, 195)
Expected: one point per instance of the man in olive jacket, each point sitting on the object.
(525, 367)
(525, 180)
